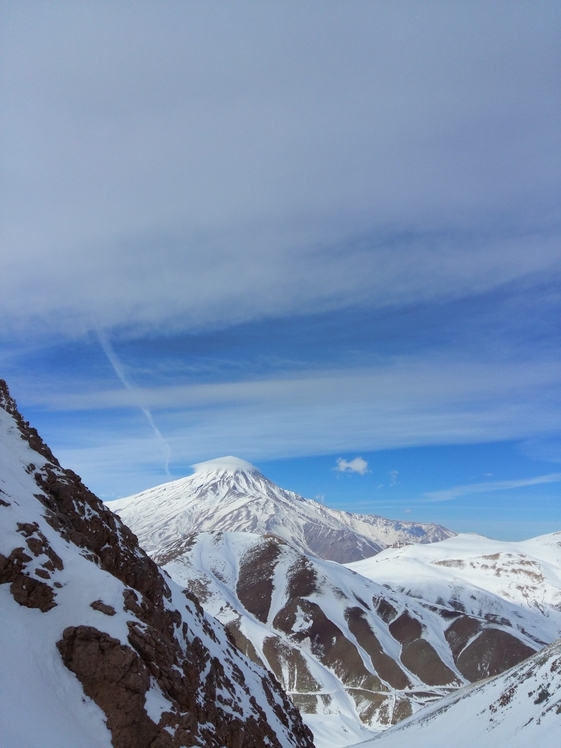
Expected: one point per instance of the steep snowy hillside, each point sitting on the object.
(519, 708)
(350, 652)
(481, 577)
(229, 494)
(98, 647)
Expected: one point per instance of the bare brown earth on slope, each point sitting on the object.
(391, 654)
(202, 689)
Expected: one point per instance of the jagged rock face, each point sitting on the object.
(337, 641)
(231, 495)
(153, 667)
(519, 708)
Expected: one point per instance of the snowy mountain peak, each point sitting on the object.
(225, 465)
(100, 647)
(229, 494)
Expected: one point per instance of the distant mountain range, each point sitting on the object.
(364, 648)
(360, 646)
(99, 647)
(518, 583)
(229, 494)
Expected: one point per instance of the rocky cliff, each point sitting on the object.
(98, 643)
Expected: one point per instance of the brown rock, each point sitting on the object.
(255, 583)
(421, 658)
(493, 652)
(406, 628)
(25, 590)
(460, 632)
(115, 678)
(109, 610)
(385, 666)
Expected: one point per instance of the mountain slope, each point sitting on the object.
(348, 650)
(229, 494)
(519, 708)
(481, 577)
(98, 647)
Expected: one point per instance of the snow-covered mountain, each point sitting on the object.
(229, 494)
(492, 579)
(98, 647)
(519, 708)
(360, 646)
(351, 653)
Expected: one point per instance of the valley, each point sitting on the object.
(240, 629)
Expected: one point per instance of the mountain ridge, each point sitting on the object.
(229, 494)
(100, 645)
(352, 650)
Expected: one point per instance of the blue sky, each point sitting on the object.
(296, 233)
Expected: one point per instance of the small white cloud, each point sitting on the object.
(393, 477)
(358, 465)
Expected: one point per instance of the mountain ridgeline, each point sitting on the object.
(100, 645)
(244, 615)
(229, 494)
(360, 646)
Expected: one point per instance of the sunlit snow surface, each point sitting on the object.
(229, 494)
(517, 709)
(519, 581)
(42, 704)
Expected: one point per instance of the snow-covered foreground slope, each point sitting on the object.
(351, 653)
(518, 709)
(491, 579)
(98, 647)
(229, 494)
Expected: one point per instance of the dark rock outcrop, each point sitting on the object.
(215, 696)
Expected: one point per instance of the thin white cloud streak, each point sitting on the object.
(490, 486)
(400, 407)
(136, 394)
(402, 382)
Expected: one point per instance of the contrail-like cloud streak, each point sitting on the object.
(120, 372)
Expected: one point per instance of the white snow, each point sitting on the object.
(229, 494)
(42, 704)
(336, 730)
(519, 708)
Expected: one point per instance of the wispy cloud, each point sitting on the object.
(136, 395)
(394, 474)
(405, 402)
(409, 382)
(245, 217)
(357, 465)
(487, 487)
